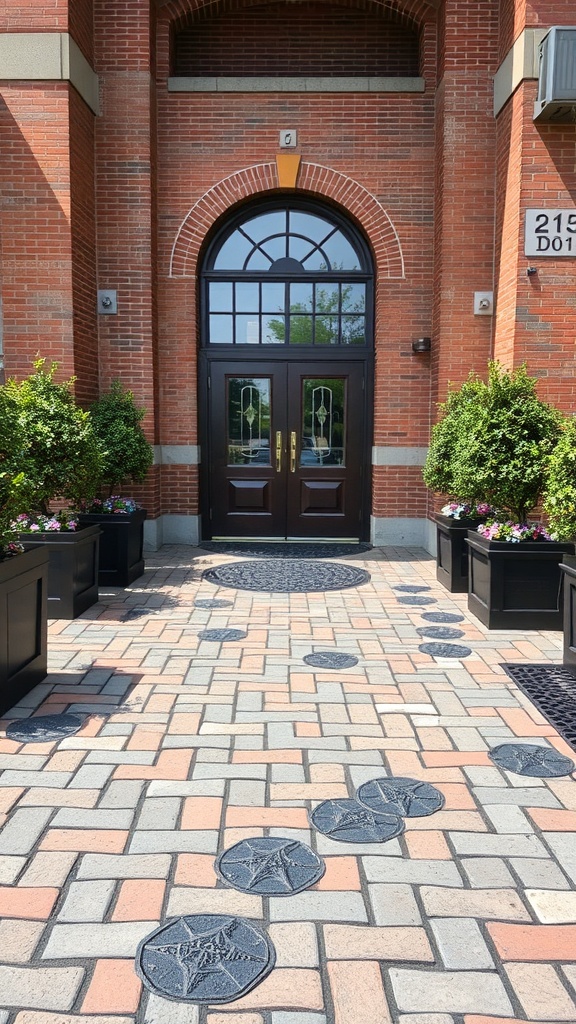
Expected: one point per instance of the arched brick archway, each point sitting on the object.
(417, 11)
(314, 180)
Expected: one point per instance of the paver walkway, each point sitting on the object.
(192, 745)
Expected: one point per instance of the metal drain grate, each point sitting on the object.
(552, 689)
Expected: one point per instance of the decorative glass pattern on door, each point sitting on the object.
(248, 407)
(322, 441)
(287, 277)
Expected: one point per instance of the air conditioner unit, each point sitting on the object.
(556, 103)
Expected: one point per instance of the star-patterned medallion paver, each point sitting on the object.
(349, 821)
(530, 759)
(409, 798)
(270, 866)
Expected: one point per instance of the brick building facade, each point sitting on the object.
(135, 137)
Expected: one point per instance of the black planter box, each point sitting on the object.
(515, 586)
(72, 569)
(23, 624)
(121, 559)
(452, 552)
(568, 569)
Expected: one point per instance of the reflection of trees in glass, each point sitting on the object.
(327, 307)
(248, 420)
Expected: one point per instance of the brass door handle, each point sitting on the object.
(293, 451)
(278, 451)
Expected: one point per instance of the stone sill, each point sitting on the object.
(269, 84)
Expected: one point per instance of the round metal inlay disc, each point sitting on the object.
(330, 659)
(442, 617)
(44, 728)
(349, 821)
(270, 866)
(530, 759)
(205, 958)
(287, 576)
(440, 632)
(222, 634)
(407, 797)
(410, 588)
(445, 650)
(416, 599)
(212, 602)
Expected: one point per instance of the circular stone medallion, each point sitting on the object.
(530, 759)
(270, 866)
(44, 728)
(440, 632)
(416, 599)
(204, 958)
(222, 634)
(330, 659)
(349, 821)
(442, 617)
(410, 588)
(445, 650)
(406, 797)
(286, 576)
(212, 602)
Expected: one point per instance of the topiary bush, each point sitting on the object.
(59, 454)
(440, 466)
(15, 489)
(560, 491)
(506, 435)
(126, 454)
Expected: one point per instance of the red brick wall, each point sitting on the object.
(314, 40)
(35, 241)
(83, 231)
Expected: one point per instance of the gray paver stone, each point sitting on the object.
(540, 874)
(164, 1011)
(415, 872)
(394, 904)
(461, 945)
(23, 829)
(459, 992)
(110, 865)
(118, 939)
(122, 793)
(319, 906)
(159, 813)
(488, 872)
(87, 901)
(40, 988)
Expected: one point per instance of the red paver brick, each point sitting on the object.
(553, 820)
(267, 757)
(285, 988)
(201, 812)
(85, 840)
(427, 845)
(357, 992)
(341, 874)
(140, 899)
(534, 941)
(196, 869)
(521, 724)
(453, 758)
(8, 797)
(307, 729)
(35, 903)
(173, 765)
(114, 988)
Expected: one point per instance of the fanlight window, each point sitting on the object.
(287, 277)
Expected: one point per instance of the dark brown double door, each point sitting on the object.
(287, 450)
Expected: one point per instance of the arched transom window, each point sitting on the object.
(289, 275)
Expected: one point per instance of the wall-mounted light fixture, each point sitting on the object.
(531, 271)
(421, 345)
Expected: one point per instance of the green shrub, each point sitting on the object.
(59, 454)
(560, 492)
(126, 454)
(493, 442)
(14, 487)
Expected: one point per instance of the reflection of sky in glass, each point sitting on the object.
(340, 253)
(299, 248)
(307, 224)
(265, 224)
(221, 296)
(258, 261)
(246, 297)
(301, 297)
(220, 330)
(273, 297)
(353, 298)
(233, 253)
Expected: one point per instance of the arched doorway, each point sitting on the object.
(286, 372)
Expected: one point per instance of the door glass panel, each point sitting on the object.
(247, 329)
(221, 296)
(248, 421)
(323, 421)
(220, 329)
(247, 297)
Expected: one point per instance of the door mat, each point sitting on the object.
(299, 576)
(552, 689)
(282, 550)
